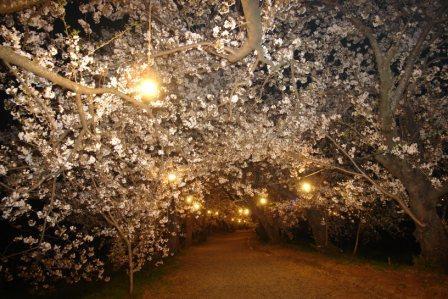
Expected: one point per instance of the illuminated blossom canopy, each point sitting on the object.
(332, 106)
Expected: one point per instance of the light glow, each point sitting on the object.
(263, 201)
(148, 88)
(246, 211)
(172, 177)
(189, 199)
(307, 187)
(196, 206)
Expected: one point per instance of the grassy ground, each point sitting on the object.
(116, 288)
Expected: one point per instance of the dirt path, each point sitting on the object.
(237, 266)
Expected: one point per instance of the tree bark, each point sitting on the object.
(433, 237)
(358, 232)
(268, 224)
(318, 223)
(131, 268)
(188, 231)
(173, 229)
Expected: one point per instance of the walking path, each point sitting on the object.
(238, 266)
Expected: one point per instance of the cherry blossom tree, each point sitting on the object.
(354, 92)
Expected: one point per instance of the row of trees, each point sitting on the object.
(351, 93)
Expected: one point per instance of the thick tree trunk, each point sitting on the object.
(273, 233)
(268, 225)
(433, 237)
(318, 224)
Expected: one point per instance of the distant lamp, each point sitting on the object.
(196, 206)
(246, 212)
(240, 211)
(263, 201)
(209, 212)
(172, 177)
(189, 199)
(216, 213)
(306, 187)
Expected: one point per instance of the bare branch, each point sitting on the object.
(397, 198)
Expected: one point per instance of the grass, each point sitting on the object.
(116, 288)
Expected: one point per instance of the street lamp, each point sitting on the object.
(196, 206)
(189, 199)
(172, 177)
(306, 187)
(148, 88)
(263, 201)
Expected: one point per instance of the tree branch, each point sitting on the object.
(11, 6)
(397, 198)
(409, 66)
(10, 56)
(252, 13)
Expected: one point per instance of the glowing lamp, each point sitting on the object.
(263, 201)
(246, 211)
(189, 199)
(216, 213)
(209, 212)
(307, 187)
(148, 88)
(172, 177)
(196, 206)
(240, 211)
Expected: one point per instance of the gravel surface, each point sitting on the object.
(238, 266)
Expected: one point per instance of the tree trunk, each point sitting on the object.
(188, 231)
(268, 225)
(358, 231)
(318, 224)
(433, 237)
(173, 229)
(131, 268)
